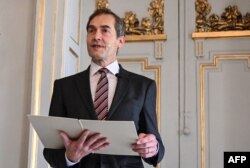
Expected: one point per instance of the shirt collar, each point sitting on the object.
(113, 68)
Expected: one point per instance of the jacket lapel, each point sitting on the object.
(83, 85)
(121, 90)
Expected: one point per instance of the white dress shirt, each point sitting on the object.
(94, 76)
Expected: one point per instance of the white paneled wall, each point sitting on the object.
(17, 19)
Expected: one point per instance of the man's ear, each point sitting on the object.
(121, 41)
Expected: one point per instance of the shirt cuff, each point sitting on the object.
(68, 162)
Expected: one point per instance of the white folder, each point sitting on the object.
(120, 134)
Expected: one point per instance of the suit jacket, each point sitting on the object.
(134, 100)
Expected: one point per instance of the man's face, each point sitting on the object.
(102, 41)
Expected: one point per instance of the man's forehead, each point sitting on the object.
(103, 21)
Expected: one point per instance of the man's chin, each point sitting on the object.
(96, 57)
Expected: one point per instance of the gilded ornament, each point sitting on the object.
(230, 19)
(102, 4)
(149, 25)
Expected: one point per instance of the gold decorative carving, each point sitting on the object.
(202, 8)
(102, 4)
(231, 20)
(203, 67)
(149, 28)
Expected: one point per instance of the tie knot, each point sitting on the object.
(103, 70)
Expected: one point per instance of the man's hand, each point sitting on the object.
(146, 145)
(76, 149)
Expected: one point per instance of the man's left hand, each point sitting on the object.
(146, 145)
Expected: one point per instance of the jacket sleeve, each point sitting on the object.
(148, 122)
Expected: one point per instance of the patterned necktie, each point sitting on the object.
(101, 95)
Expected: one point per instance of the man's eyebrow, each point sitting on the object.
(105, 26)
(102, 26)
(90, 26)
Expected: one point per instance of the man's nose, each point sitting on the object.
(97, 35)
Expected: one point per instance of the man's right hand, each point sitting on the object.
(76, 149)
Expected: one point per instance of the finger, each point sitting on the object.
(144, 138)
(146, 152)
(65, 137)
(141, 135)
(93, 138)
(100, 147)
(147, 155)
(151, 144)
(84, 135)
(146, 144)
(100, 143)
(141, 138)
(151, 150)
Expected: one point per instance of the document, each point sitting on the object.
(120, 134)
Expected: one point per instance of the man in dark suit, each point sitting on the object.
(130, 97)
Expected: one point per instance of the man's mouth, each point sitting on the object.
(97, 46)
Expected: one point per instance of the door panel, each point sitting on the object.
(224, 107)
(227, 108)
(212, 103)
(72, 33)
